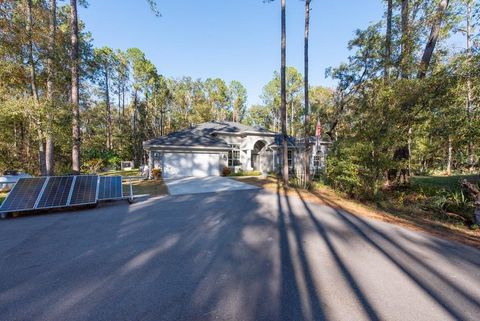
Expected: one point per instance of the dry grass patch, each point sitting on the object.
(151, 187)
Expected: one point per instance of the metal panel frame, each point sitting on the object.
(82, 204)
(57, 206)
(41, 193)
(98, 187)
(36, 201)
(71, 190)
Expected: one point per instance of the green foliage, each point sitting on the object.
(105, 158)
(343, 172)
(124, 99)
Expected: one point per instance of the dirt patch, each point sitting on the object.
(326, 196)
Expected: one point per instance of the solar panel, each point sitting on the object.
(24, 195)
(56, 192)
(84, 190)
(110, 188)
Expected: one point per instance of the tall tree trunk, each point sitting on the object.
(162, 112)
(432, 39)
(108, 109)
(34, 88)
(468, 33)
(292, 115)
(123, 100)
(49, 157)
(283, 94)
(306, 158)
(405, 41)
(402, 153)
(449, 156)
(75, 90)
(388, 41)
(134, 140)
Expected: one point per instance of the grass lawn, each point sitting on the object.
(125, 173)
(449, 183)
(151, 187)
(416, 220)
(140, 186)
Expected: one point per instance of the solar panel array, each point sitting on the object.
(84, 190)
(56, 192)
(24, 195)
(61, 191)
(110, 187)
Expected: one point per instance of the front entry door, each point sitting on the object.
(254, 161)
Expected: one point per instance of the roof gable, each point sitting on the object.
(202, 135)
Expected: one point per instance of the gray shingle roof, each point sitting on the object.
(201, 135)
(229, 127)
(188, 138)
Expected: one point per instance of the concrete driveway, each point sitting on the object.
(242, 255)
(210, 184)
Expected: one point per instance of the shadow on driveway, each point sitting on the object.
(241, 255)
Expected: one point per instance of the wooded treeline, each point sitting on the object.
(407, 99)
(122, 98)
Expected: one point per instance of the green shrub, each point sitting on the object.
(343, 174)
(92, 166)
(245, 173)
(108, 158)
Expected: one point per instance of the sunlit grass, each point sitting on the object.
(124, 173)
(141, 187)
(449, 183)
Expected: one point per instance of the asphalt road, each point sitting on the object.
(243, 255)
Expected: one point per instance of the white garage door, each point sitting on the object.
(190, 164)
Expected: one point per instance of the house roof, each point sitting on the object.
(188, 138)
(202, 135)
(229, 127)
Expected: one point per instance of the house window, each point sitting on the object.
(234, 155)
(290, 159)
(317, 161)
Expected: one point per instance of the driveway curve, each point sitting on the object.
(241, 255)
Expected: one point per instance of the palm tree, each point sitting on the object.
(75, 88)
(307, 102)
(283, 94)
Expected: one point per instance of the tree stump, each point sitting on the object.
(475, 192)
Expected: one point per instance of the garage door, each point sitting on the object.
(190, 164)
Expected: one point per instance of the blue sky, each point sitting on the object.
(230, 39)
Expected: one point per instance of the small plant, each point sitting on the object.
(226, 171)
(156, 173)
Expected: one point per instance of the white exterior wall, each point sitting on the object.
(180, 163)
(269, 159)
(247, 144)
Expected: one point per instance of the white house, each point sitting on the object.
(205, 149)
